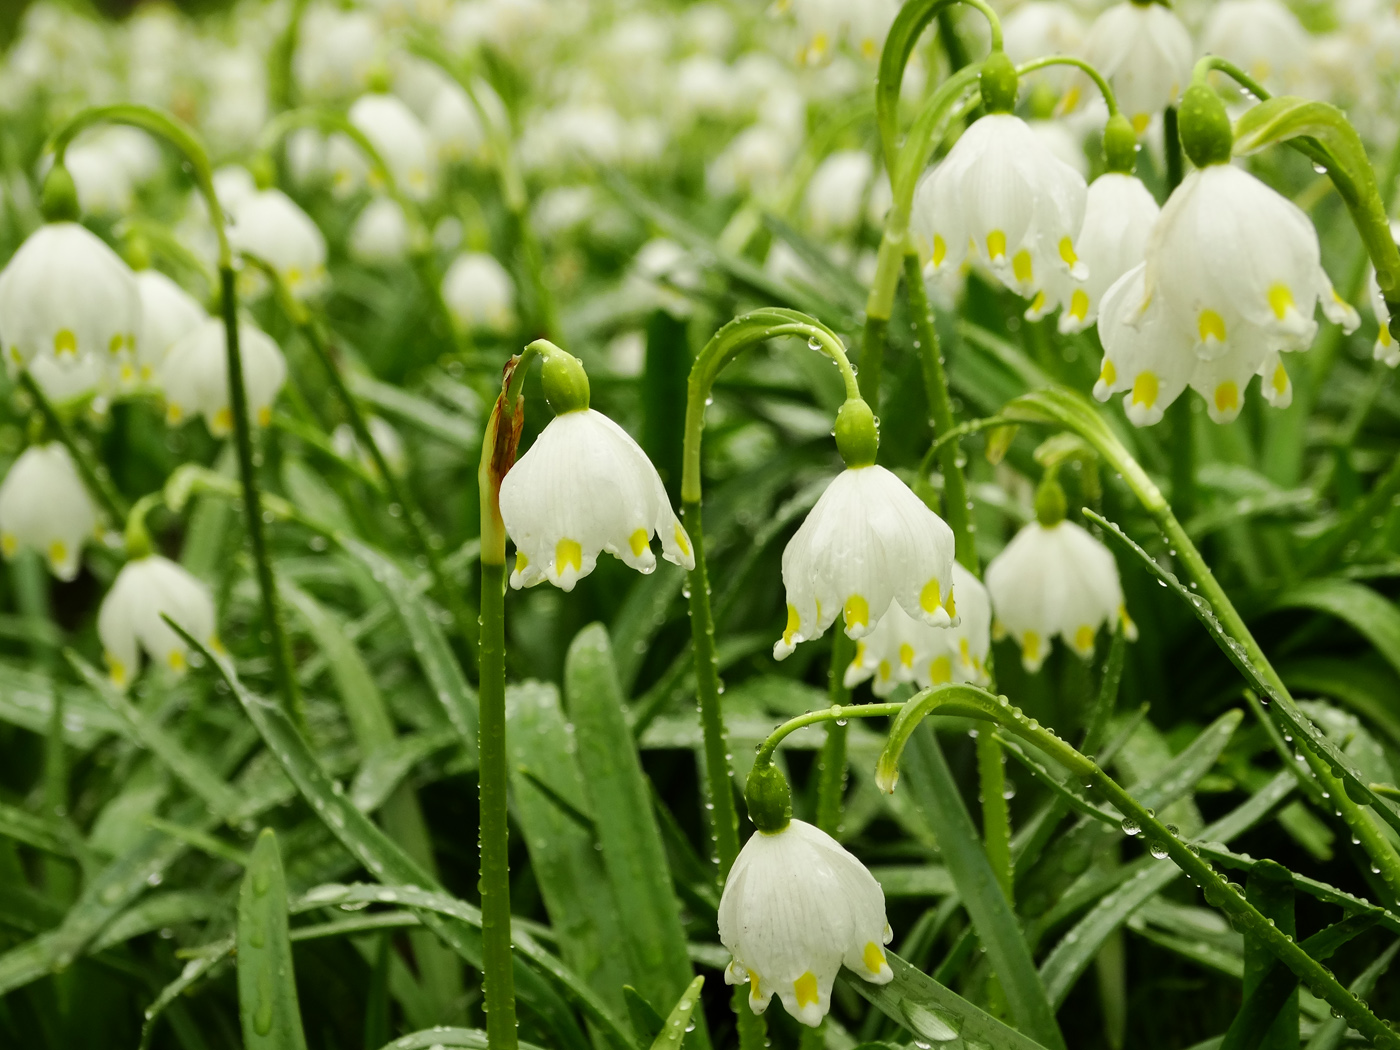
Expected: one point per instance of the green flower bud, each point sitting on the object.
(857, 433)
(60, 196)
(1206, 135)
(565, 382)
(1120, 145)
(768, 797)
(264, 171)
(998, 83)
(1050, 502)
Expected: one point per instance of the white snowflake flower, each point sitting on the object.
(796, 906)
(837, 190)
(1146, 54)
(901, 649)
(194, 376)
(400, 140)
(479, 292)
(1055, 580)
(1044, 27)
(1262, 37)
(44, 507)
(66, 295)
(585, 487)
(1386, 348)
(869, 541)
(1002, 195)
(270, 226)
(129, 620)
(380, 234)
(168, 313)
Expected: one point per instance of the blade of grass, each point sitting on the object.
(267, 988)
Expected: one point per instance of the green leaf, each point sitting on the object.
(932, 785)
(46, 833)
(1375, 618)
(419, 412)
(673, 1032)
(645, 1020)
(267, 988)
(471, 1038)
(620, 800)
(1330, 1033)
(934, 1013)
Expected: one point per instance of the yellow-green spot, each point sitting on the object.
(931, 597)
(566, 553)
(1211, 326)
(873, 957)
(65, 343)
(638, 542)
(857, 612)
(1227, 396)
(176, 659)
(682, 541)
(1108, 374)
(1030, 647)
(940, 670)
(1021, 266)
(996, 245)
(58, 552)
(906, 654)
(805, 987)
(794, 621)
(1280, 380)
(1280, 300)
(8, 544)
(1145, 389)
(1084, 638)
(1079, 304)
(940, 250)
(1140, 122)
(1067, 252)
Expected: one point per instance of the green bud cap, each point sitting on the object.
(1120, 145)
(857, 433)
(998, 83)
(1050, 502)
(768, 797)
(1206, 135)
(379, 80)
(137, 252)
(60, 196)
(264, 171)
(565, 382)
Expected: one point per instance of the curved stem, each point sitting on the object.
(94, 472)
(1078, 63)
(950, 457)
(167, 244)
(1234, 72)
(834, 713)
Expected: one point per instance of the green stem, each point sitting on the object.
(950, 457)
(834, 713)
(996, 815)
(831, 765)
(872, 359)
(1171, 146)
(278, 641)
(1183, 458)
(1100, 82)
(498, 977)
(1209, 62)
(94, 472)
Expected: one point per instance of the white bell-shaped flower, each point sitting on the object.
(585, 487)
(270, 226)
(869, 541)
(1043, 27)
(400, 140)
(66, 383)
(168, 313)
(66, 295)
(837, 190)
(795, 907)
(456, 127)
(1262, 37)
(1055, 580)
(1146, 54)
(337, 51)
(479, 292)
(1118, 218)
(129, 620)
(194, 376)
(1386, 348)
(1234, 270)
(380, 233)
(1003, 195)
(902, 649)
(44, 507)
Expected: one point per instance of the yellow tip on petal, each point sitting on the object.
(116, 669)
(952, 605)
(805, 988)
(1021, 266)
(568, 552)
(176, 660)
(223, 421)
(264, 415)
(1280, 300)
(754, 986)
(1280, 380)
(1030, 647)
(1079, 305)
(931, 597)
(58, 552)
(884, 670)
(521, 561)
(906, 654)
(8, 544)
(1145, 389)
(873, 957)
(1108, 374)
(1067, 252)
(793, 623)
(1084, 638)
(682, 540)
(65, 343)
(1227, 396)
(940, 250)
(940, 670)
(638, 542)
(114, 346)
(857, 612)
(1211, 326)
(1140, 122)
(996, 245)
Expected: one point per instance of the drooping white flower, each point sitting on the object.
(44, 507)
(455, 126)
(168, 313)
(1231, 278)
(129, 620)
(1119, 214)
(380, 233)
(1386, 348)
(867, 542)
(104, 186)
(902, 649)
(1055, 580)
(67, 382)
(270, 226)
(1146, 54)
(1003, 195)
(585, 487)
(194, 376)
(755, 161)
(1262, 37)
(822, 24)
(479, 292)
(1043, 27)
(66, 295)
(796, 906)
(837, 190)
(400, 140)
(336, 52)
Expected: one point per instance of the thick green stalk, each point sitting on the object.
(872, 358)
(278, 643)
(94, 473)
(498, 977)
(719, 777)
(1183, 438)
(950, 456)
(831, 763)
